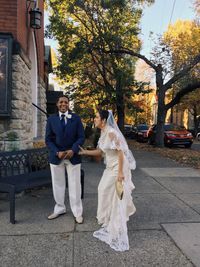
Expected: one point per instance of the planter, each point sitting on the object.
(13, 145)
(10, 142)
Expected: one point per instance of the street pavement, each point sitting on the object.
(164, 231)
(196, 145)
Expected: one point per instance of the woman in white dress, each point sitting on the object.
(113, 212)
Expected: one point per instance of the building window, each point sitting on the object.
(5, 74)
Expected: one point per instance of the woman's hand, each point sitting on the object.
(120, 177)
(82, 151)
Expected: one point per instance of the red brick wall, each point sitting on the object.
(22, 30)
(13, 19)
(8, 16)
(39, 34)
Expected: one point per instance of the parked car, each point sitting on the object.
(133, 132)
(198, 136)
(174, 135)
(127, 130)
(141, 132)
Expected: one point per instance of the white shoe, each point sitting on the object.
(55, 215)
(79, 219)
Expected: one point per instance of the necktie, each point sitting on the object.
(63, 121)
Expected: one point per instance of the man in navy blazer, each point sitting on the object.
(64, 135)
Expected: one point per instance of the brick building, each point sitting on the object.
(23, 72)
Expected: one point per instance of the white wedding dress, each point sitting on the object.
(113, 213)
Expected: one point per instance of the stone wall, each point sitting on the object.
(20, 121)
(42, 103)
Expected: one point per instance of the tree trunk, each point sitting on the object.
(196, 121)
(120, 103)
(161, 115)
(120, 115)
(160, 127)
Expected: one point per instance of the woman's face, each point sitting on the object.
(98, 121)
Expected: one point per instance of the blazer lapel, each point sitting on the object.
(68, 125)
(69, 120)
(58, 123)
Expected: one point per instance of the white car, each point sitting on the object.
(198, 136)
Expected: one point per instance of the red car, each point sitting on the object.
(141, 133)
(174, 135)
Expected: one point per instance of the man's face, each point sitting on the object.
(63, 104)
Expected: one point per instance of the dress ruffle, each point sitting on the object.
(114, 213)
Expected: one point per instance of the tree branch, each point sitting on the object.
(187, 68)
(188, 89)
(132, 53)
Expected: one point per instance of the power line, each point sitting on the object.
(162, 16)
(172, 11)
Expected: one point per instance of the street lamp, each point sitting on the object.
(35, 15)
(35, 18)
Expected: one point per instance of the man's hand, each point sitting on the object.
(69, 154)
(61, 154)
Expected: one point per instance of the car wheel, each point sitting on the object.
(168, 145)
(188, 145)
(150, 141)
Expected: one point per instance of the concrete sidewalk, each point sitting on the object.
(165, 231)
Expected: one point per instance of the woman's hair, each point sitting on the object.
(103, 114)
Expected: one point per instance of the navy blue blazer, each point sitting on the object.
(58, 140)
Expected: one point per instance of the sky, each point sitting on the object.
(156, 19)
(158, 16)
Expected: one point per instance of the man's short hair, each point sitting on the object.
(66, 96)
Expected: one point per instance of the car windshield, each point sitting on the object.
(127, 127)
(142, 127)
(173, 127)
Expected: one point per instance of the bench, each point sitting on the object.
(25, 169)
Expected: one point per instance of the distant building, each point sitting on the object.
(24, 70)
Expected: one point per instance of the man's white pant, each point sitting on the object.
(74, 187)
